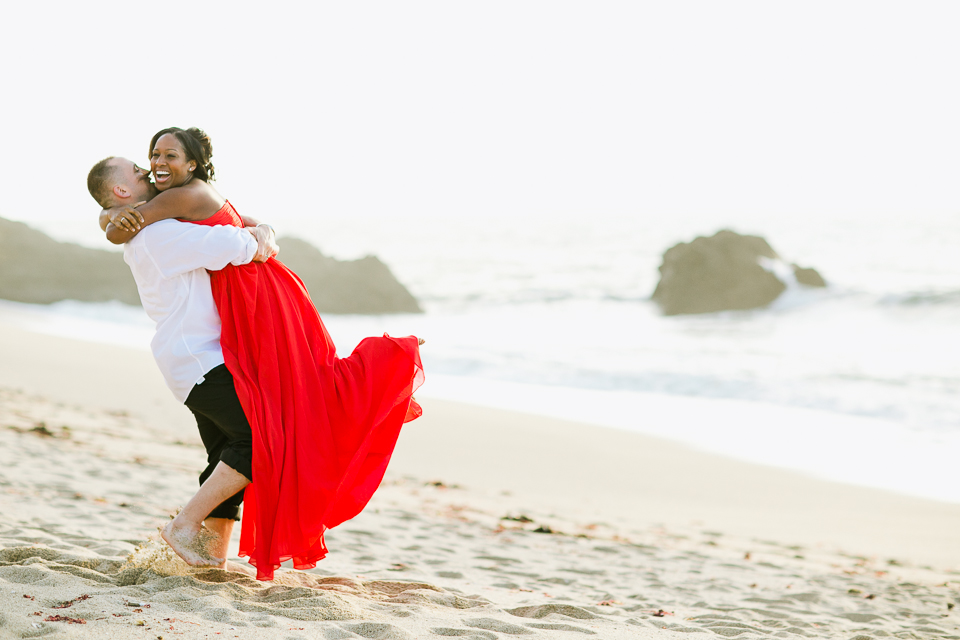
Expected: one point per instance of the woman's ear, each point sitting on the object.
(193, 165)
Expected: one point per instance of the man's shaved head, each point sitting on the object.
(118, 181)
(100, 182)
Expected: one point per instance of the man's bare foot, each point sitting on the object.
(191, 544)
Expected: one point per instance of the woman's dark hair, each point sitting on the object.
(197, 146)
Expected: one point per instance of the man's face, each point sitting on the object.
(134, 179)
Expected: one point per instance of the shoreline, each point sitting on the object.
(871, 452)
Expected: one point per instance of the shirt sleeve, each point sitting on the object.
(176, 248)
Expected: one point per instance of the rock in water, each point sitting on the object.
(808, 276)
(36, 268)
(346, 286)
(719, 273)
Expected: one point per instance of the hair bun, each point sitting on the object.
(206, 144)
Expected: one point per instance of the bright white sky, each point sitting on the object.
(495, 108)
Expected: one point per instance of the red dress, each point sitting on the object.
(324, 427)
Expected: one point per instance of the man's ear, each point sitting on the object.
(121, 191)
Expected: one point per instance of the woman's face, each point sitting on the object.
(169, 163)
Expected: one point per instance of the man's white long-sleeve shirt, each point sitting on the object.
(169, 260)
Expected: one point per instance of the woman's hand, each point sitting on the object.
(124, 217)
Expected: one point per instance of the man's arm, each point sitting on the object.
(179, 248)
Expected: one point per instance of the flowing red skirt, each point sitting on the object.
(324, 427)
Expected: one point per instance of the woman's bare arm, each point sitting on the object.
(182, 202)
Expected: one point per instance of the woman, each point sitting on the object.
(323, 427)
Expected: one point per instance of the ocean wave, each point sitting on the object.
(795, 297)
(522, 297)
(922, 298)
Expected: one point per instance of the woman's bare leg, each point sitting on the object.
(223, 528)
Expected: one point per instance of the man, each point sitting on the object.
(169, 261)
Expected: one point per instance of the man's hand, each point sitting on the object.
(123, 217)
(266, 242)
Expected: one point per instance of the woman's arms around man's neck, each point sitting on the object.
(196, 201)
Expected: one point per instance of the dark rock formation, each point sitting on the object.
(716, 274)
(808, 276)
(37, 269)
(351, 286)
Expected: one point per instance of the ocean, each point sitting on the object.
(858, 382)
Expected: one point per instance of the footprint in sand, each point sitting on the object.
(492, 624)
(547, 610)
(379, 631)
(565, 627)
(466, 634)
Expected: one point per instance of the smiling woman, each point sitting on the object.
(176, 156)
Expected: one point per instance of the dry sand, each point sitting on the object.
(490, 525)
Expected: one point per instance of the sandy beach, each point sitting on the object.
(490, 524)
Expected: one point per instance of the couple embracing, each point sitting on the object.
(300, 436)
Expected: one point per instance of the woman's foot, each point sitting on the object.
(191, 544)
(421, 341)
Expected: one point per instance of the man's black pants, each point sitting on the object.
(224, 430)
